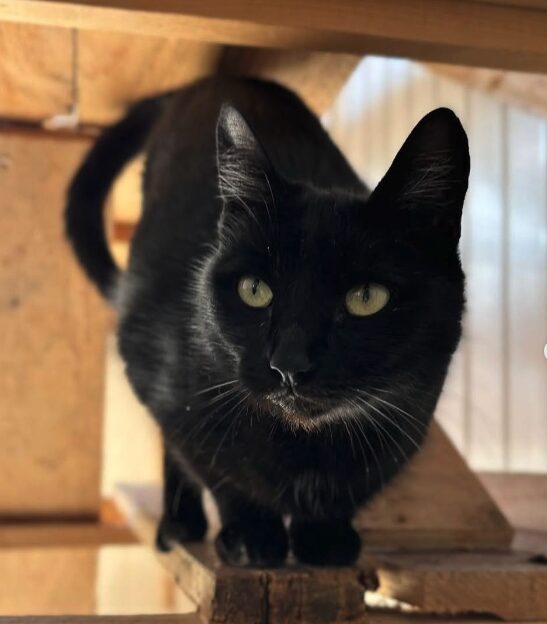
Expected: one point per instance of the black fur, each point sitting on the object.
(279, 201)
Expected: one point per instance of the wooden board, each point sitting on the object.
(504, 583)
(36, 71)
(507, 585)
(148, 65)
(453, 31)
(52, 336)
(51, 581)
(436, 502)
(237, 595)
(189, 618)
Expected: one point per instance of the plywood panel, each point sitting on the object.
(527, 301)
(36, 71)
(116, 69)
(52, 333)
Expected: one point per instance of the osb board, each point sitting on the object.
(52, 337)
(435, 502)
(116, 69)
(35, 71)
(50, 581)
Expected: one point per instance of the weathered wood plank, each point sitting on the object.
(507, 585)
(184, 618)
(52, 334)
(511, 37)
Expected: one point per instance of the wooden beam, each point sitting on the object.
(529, 91)
(36, 71)
(105, 93)
(182, 618)
(52, 339)
(452, 31)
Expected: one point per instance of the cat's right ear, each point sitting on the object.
(243, 167)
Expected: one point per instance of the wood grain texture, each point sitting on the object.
(52, 581)
(240, 596)
(51, 340)
(507, 585)
(317, 77)
(35, 71)
(436, 502)
(445, 31)
(149, 66)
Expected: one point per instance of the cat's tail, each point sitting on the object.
(84, 220)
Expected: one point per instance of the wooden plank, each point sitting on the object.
(51, 340)
(150, 65)
(51, 581)
(507, 585)
(436, 502)
(504, 583)
(526, 90)
(184, 618)
(36, 71)
(521, 497)
(445, 31)
(222, 593)
(316, 76)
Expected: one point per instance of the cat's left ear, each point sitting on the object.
(424, 189)
(243, 167)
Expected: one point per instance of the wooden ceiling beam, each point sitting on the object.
(452, 31)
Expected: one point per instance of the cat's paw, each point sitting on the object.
(334, 542)
(180, 530)
(254, 543)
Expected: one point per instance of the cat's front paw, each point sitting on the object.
(253, 543)
(180, 530)
(334, 542)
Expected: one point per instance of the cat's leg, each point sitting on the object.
(325, 542)
(183, 519)
(250, 534)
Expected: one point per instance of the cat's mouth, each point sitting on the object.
(298, 406)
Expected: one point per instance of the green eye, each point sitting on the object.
(254, 292)
(366, 299)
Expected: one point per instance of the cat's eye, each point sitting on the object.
(366, 299)
(254, 291)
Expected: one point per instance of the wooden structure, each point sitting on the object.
(74, 65)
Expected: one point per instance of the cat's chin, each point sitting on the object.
(299, 410)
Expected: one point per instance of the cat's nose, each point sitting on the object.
(290, 357)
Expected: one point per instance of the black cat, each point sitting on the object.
(289, 331)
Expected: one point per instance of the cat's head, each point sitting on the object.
(320, 300)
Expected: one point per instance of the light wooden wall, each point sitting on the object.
(494, 405)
